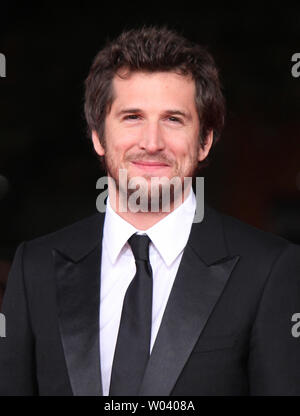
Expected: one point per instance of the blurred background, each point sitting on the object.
(48, 170)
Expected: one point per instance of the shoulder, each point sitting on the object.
(73, 240)
(263, 257)
(248, 240)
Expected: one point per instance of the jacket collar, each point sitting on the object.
(202, 275)
(206, 238)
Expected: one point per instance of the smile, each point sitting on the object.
(150, 166)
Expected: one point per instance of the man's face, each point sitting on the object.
(152, 129)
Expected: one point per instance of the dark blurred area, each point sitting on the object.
(48, 170)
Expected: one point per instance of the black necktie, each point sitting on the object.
(133, 343)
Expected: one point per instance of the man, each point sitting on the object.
(141, 302)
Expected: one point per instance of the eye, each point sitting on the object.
(175, 119)
(131, 117)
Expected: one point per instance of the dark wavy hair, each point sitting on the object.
(155, 49)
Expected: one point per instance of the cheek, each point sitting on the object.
(186, 157)
(116, 146)
(123, 140)
(183, 145)
(180, 151)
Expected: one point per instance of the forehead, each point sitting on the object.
(154, 88)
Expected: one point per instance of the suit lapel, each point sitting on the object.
(202, 275)
(77, 272)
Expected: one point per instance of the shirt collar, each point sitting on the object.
(164, 234)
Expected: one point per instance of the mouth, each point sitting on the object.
(147, 165)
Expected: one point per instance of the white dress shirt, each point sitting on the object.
(168, 237)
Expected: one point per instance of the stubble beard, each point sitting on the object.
(155, 195)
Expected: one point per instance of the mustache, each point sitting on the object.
(149, 158)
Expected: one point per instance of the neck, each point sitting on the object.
(143, 220)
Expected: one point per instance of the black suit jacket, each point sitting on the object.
(226, 329)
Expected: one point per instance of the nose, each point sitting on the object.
(152, 139)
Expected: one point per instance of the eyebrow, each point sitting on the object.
(138, 110)
(128, 110)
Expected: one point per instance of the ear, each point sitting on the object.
(97, 145)
(203, 151)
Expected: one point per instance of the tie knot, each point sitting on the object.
(140, 246)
